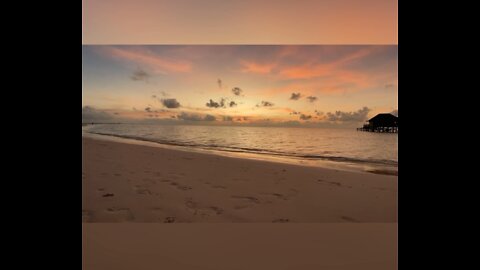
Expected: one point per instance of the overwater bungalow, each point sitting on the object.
(382, 122)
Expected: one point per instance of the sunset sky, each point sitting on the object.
(331, 85)
(240, 22)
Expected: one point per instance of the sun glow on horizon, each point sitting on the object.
(239, 84)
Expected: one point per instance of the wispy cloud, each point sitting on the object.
(252, 67)
(140, 75)
(141, 56)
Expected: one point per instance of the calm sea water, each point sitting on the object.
(311, 146)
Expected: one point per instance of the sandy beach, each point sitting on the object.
(136, 183)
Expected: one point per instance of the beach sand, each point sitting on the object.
(220, 246)
(136, 183)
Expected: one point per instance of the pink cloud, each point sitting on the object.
(146, 58)
(252, 67)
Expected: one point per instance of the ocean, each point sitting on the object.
(335, 148)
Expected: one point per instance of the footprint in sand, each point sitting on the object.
(159, 213)
(281, 220)
(176, 175)
(250, 199)
(169, 220)
(333, 183)
(184, 187)
(180, 187)
(142, 190)
(349, 219)
(247, 201)
(151, 181)
(196, 209)
(121, 214)
(215, 186)
(276, 195)
(208, 211)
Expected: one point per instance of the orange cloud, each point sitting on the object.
(149, 59)
(307, 71)
(252, 67)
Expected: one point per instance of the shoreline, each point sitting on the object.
(138, 183)
(323, 163)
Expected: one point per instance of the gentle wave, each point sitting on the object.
(255, 150)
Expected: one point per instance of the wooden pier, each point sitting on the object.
(379, 129)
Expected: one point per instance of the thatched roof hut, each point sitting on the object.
(384, 120)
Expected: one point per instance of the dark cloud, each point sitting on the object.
(232, 104)
(90, 114)
(189, 117)
(305, 117)
(318, 113)
(214, 104)
(154, 96)
(148, 109)
(294, 113)
(134, 109)
(312, 98)
(195, 117)
(209, 117)
(237, 91)
(296, 96)
(219, 82)
(265, 104)
(170, 103)
(389, 85)
(356, 116)
(140, 75)
(395, 112)
(227, 118)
